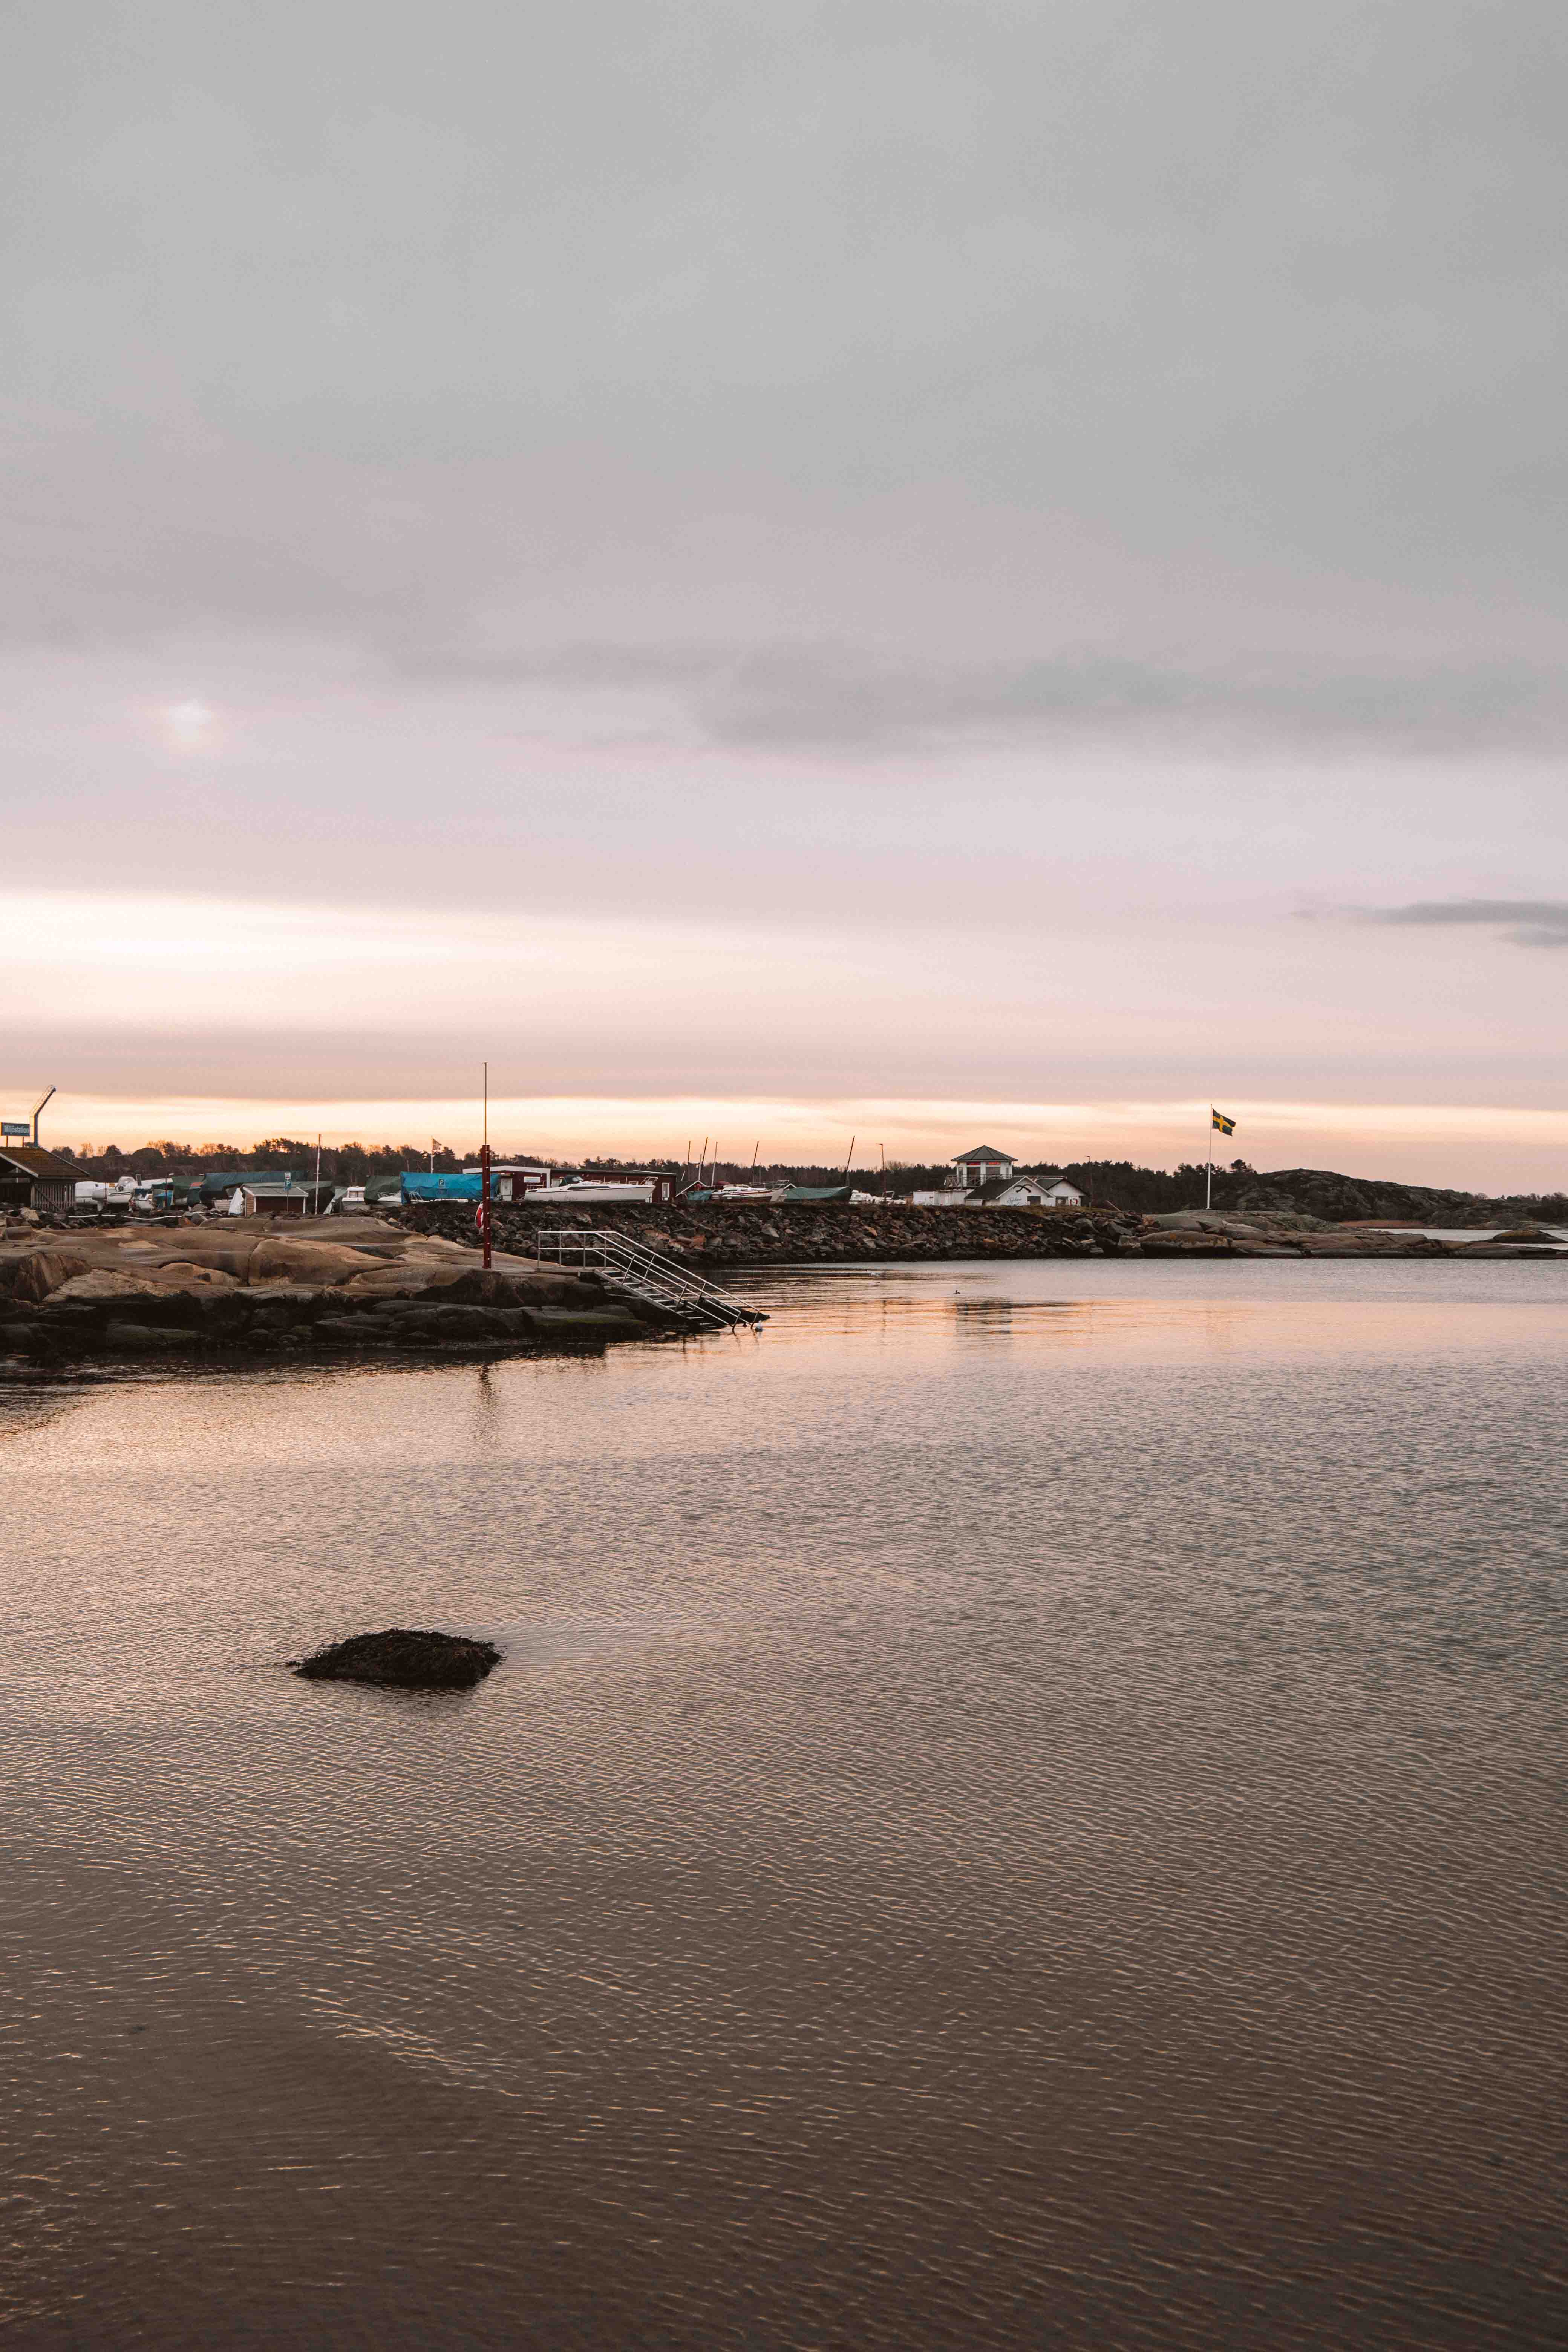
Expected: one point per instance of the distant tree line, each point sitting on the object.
(1117, 1183)
(343, 1163)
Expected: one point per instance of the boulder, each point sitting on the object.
(1506, 1249)
(187, 1274)
(164, 1310)
(313, 1261)
(101, 1284)
(1258, 1228)
(148, 1339)
(1188, 1245)
(415, 1318)
(403, 1660)
(42, 1272)
(383, 1282)
(588, 1323)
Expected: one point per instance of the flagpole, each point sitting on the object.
(1208, 1188)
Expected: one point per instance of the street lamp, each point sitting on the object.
(485, 1175)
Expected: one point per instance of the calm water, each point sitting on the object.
(1022, 1808)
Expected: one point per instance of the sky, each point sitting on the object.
(923, 572)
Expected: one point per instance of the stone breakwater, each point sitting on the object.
(716, 1237)
(701, 1237)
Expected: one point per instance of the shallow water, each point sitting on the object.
(1023, 1807)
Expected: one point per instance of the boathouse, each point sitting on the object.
(259, 1197)
(32, 1178)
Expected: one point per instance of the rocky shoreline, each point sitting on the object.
(320, 1288)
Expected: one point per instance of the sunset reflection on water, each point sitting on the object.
(1018, 1799)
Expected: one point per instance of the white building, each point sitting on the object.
(1008, 1193)
(986, 1177)
(984, 1165)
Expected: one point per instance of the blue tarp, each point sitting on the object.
(418, 1186)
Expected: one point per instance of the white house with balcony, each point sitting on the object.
(984, 1165)
(986, 1177)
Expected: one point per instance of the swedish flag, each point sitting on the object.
(1226, 1125)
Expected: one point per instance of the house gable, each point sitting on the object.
(1006, 1192)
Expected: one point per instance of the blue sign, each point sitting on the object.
(9, 1127)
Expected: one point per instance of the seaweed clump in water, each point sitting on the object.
(403, 1659)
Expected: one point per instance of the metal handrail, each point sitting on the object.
(708, 1301)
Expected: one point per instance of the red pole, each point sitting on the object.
(485, 1202)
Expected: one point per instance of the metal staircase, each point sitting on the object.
(638, 1271)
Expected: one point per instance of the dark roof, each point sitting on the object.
(994, 1186)
(983, 1152)
(36, 1161)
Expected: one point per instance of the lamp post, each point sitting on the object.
(485, 1175)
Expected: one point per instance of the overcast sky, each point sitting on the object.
(886, 567)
